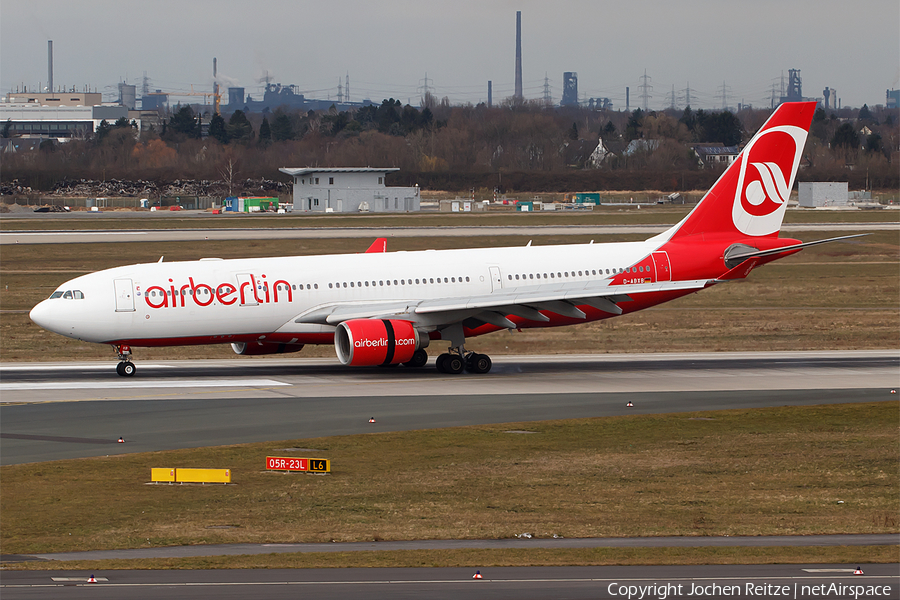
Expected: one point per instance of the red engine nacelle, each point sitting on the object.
(258, 348)
(367, 342)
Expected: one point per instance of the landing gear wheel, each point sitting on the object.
(479, 363)
(440, 362)
(454, 364)
(126, 369)
(419, 359)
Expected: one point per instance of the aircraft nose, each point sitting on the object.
(42, 315)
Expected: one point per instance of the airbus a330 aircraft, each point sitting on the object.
(383, 308)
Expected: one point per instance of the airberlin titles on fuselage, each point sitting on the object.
(202, 294)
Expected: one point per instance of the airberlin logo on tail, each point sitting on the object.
(767, 169)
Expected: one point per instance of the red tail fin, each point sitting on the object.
(750, 197)
(379, 245)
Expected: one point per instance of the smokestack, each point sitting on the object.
(518, 54)
(490, 94)
(215, 87)
(50, 66)
(627, 99)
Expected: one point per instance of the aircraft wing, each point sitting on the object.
(494, 308)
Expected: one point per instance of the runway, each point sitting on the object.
(527, 583)
(213, 234)
(51, 413)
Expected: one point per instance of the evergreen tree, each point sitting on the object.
(217, 129)
(102, 131)
(239, 128)
(845, 137)
(183, 122)
(573, 132)
(281, 128)
(265, 132)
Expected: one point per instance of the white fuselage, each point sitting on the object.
(219, 300)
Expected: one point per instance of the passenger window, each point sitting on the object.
(467, 279)
(329, 286)
(351, 284)
(531, 276)
(510, 277)
(552, 275)
(431, 280)
(395, 282)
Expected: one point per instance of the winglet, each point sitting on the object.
(379, 245)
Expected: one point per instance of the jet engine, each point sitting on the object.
(258, 348)
(367, 342)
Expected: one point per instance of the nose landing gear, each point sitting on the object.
(125, 368)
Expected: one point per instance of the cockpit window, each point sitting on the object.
(68, 295)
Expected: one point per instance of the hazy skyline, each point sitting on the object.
(387, 48)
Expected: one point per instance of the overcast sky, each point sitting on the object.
(387, 47)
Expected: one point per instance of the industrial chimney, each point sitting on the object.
(50, 66)
(518, 55)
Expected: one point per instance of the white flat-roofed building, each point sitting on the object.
(813, 194)
(60, 122)
(349, 189)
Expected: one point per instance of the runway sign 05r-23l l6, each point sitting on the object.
(304, 465)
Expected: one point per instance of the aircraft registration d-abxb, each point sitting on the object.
(383, 308)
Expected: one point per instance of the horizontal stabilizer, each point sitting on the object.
(773, 251)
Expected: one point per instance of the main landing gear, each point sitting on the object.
(125, 368)
(458, 360)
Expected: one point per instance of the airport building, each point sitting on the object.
(348, 190)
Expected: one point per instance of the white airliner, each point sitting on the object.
(383, 308)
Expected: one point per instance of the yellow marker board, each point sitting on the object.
(164, 475)
(203, 475)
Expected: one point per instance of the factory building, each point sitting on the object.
(349, 190)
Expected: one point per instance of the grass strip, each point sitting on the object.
(606, 215)
(480, 559)
(773, 471)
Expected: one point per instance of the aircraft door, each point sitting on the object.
(663, 269)
(496, 281)
(246, 293)
(124, 295)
